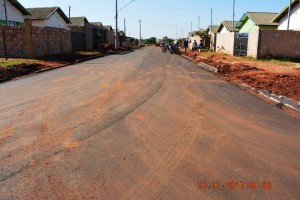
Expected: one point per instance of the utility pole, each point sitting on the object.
(116, 31)
(198, 23)
(125, 26)
(69, 13)
(3, 32)
(211, 16)
(289, 15)
(5, 10)
(140, 32)
(233, 15)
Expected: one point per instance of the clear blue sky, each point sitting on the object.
(160, 17)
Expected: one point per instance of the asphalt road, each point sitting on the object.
(144, 125)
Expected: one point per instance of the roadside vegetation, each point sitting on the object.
(14, 62)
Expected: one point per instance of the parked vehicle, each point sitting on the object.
(172, 48)
(164, 47)
(175, 49)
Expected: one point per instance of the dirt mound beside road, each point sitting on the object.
(19, 70)
(281, 78)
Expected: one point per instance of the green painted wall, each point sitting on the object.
(247, 26)
(268, 27)
(3, 22)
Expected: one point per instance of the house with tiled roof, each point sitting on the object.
(212, 32)
(256, 20)
(227, 27)
(49, 17)
(282, 17)
(79, 21)
(212, 29)
(16, 13)
(99, 24)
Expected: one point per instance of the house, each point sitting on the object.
(110, 34)
(256, 20)
(78, 21)
(212, 32)
(227, 27)
(212, 29)
(100, 33)
(15, 13)
(49, 17)
(282, 17)
(225, 39)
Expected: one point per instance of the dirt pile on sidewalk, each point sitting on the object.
(275, 77)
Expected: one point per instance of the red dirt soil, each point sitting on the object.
(281, 78)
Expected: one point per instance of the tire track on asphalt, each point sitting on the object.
(170, 161)
(115, 116)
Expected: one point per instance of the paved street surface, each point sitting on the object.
(144, 125)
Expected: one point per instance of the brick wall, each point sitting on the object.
(276, 43)
(225, 43)
(31, 42)
(50, 41)
(279, 43)
(15, 41)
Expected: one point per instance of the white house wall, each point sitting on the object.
(39, 23)
(224, 30)
(55, 20)
(13, 14)
(294, 21)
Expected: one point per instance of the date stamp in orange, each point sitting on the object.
(235, 185)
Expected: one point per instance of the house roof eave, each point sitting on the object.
(284, 11)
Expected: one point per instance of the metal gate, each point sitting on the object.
(241, 45)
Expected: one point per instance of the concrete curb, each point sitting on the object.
(5, 79)
(281, 99)
(74, 63)
(208, 67)
(65, 65)
(202, 65)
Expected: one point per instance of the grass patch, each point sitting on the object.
(88, 53)
(13, 62)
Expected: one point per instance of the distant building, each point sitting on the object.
(49, 17)
(15, 13)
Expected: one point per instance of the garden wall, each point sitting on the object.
(31, 42)
(274, 43)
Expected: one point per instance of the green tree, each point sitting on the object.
(202, 33)
(151, 40)
(167, 40)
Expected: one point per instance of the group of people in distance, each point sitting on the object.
(195, 45)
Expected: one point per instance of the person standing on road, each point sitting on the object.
(194, 47)
(185, 45)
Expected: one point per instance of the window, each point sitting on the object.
(12, 23)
